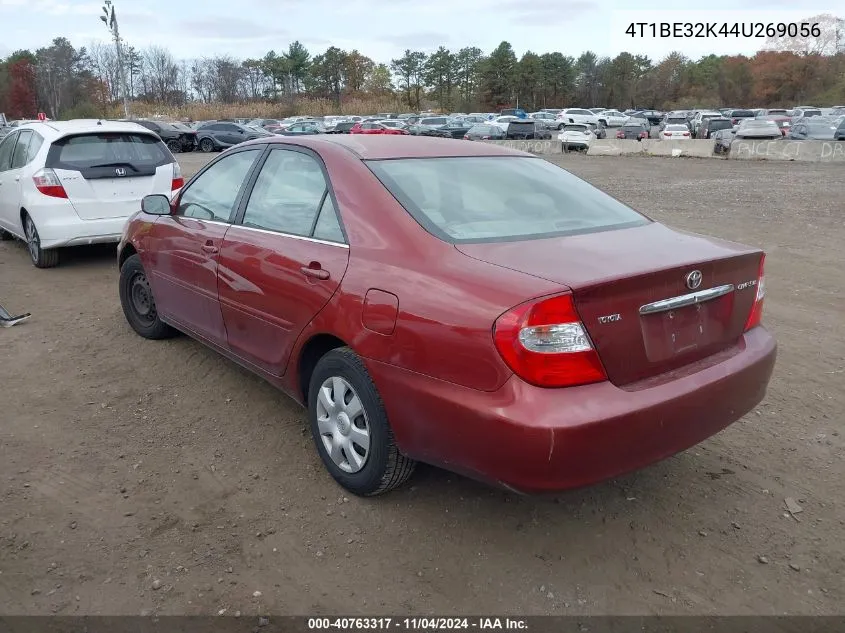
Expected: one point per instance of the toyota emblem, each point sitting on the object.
(120, 171)
(694, 279)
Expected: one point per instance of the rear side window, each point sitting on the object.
(6, 147)
(288, 194)
(742, 113)
(98, 154)
(498, 198)
(21, 147)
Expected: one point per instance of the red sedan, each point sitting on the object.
(460, 304)
(372, 127)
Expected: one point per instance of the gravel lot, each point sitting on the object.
(156, 477)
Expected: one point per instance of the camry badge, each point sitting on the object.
(694, 279)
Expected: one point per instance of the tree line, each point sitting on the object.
(69, 82)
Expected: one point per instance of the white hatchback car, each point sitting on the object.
(69, 183)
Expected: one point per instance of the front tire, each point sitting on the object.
(350, 427)
(40, 257)
(136, 299)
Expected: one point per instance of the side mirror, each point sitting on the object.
(156, 204)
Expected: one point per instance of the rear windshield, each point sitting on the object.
(484, 129)
(574, 128)
(522, 123)
(676, 119)
(498, 198)
(437, 121)
(812, 112)
(742, 113)
(717, 124)
(633, 127)
(81, 152)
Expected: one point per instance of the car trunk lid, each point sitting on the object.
(650, 320)
(105, 174)
(96, 198)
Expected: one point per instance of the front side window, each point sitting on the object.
(476, 199)
(288, 194)
(213, 194)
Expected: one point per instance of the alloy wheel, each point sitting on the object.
(33, 242)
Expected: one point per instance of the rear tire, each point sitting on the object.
(40, 257)
(207, 145)
(175, 147)
(346, 412)
(136, 299)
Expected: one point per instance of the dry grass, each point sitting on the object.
(265, 110)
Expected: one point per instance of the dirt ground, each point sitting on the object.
(157, 477)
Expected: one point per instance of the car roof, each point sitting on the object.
(57, 129)
(380, 147)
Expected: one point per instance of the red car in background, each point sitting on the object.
(460, 304)
(372, 127)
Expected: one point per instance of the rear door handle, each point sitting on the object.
(316, 273)
(209, 247)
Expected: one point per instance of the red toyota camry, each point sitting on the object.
(460, 304)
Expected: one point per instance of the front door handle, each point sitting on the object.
(316, 273)
(209, 247)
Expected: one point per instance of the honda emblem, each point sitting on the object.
(120, 172)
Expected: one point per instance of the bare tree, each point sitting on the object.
(825, 36)
(160, 75)
(105, 67)
(227, 79)
(202, 79)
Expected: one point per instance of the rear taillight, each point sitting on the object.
(177, 181)
(685, 134)
(545, 344)
(620, 135)
(48, 183)
(756, 316)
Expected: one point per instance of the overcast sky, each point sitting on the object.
(382, 29)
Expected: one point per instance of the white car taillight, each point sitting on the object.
(48, 183)
(177, 181)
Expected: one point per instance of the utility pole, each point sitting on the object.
(110, 20)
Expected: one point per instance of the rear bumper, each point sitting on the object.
(533, 440)
(59, 225)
